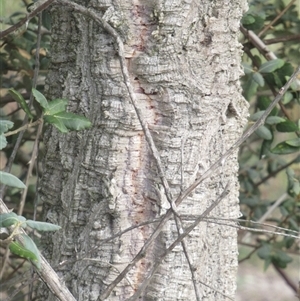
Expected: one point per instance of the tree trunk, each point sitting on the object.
(183, 58)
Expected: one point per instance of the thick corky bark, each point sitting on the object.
(184, 61)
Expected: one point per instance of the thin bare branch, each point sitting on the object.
(295, 37)
(43, 5)
(252, 229)
(286, 278)
(258, 43)
(159, 260)
(30, 168)
(275, 172)
(267, 27)
(8, 98)
(23, 128)
(188, 259)
(270, 226)
(269, 211)
(39, 131)
(249, 254)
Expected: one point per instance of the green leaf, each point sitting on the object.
(285, 72)
(42, 226)
(3, 141)
(293, 224)
(271, 66)
(287, 97)
(288, 242)
(280, 259)
(284, 211)
(250, 88)
(265, 251)
(263, 103)
(296, 187)
(5, 125)
(40, 98)
(56, 106)
(276, 78)
(256, 60)
(247, 68)
(283, 149)
(251, 202)
(10, 218)
(264, 133)
(21, 101)
(258, 78)
(267, 263)
(56, 122)
(248, 19)
(293, 142)
(252, 21)
(265, 148)
(73, 121)
(274, 120)
(46, 19)
(287, 126)
(17, 249)
(26, 248)
(256, 115)
(10, 180)
(295, 84)
(29, 244)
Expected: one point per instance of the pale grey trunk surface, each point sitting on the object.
(184, 62)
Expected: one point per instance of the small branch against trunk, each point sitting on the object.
(134, 102)
(244, 137)
(176, 242)
(186, 254)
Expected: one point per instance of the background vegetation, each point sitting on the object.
(269, 160)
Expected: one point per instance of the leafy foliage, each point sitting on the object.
(274, 153)
(5, 125)
(10, 219)
(24, 100)
(10, 180)
(21, 244)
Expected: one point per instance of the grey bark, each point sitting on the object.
(184, 61)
